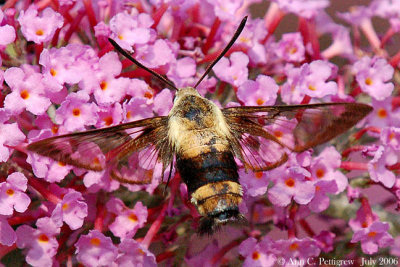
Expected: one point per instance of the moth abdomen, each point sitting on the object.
(207, 168)
(212, 181)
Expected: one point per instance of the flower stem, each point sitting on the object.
(367, 210)
(90, 13)
(159, 14)
(395, 60)
(165, 255)
(372, 129)
(389, 33)
(155, 226)
(292, 233)
(306, 226)
(272, 19)
(349, 150)
(4, 250)
(74, 25)
(42, 188)
(211, 35)
(352, 166)
(9, 4)
(218, 256)
(99, 221)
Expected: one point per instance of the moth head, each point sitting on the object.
(185, 92)
(211, 223)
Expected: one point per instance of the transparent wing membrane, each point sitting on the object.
(128, 151)
(266, 133)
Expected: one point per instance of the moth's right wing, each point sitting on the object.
(128, 152)
(261, 135)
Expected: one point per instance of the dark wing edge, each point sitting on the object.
(114, 149)
(254, 129)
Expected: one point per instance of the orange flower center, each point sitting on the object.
(39, 32)
(133, 217)
(128, 114)
(260, 101)
(10, 192)
(96, 161)
(65, 206)
(54, 129)
(53, 72)
(372, 234)
(290, 182)
(255, 255)
(244, 39)
(103, 85)
(148, 95)
(95, 241)
(108, 120)
(382, 113)
(292, 50)
(24, 94)
(368, 81)
(320, 173)
(278, 134)
(294, 246)
(62, 164)
(258, 175)
(76, 112)
(312, 87)
(43, 238)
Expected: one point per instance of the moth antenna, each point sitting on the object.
(226, 49)
(140, 65)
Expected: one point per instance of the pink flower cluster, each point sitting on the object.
(60, 75)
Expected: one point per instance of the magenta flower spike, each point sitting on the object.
(7, 32)
(127, 221)
(41, 242)
(39, 28)
(257, 253)
(132, 253)
(95, 249)
(28, 91)
(291, 48)
(373, 75)
(12, 196)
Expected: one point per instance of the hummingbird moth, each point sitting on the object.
(203, 142)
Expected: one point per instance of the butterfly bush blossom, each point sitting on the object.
(59, 74)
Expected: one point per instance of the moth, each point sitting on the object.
(204, 143)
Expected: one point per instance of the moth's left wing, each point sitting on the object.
(262, 134)
(127, 152)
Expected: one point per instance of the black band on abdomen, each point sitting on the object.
(207, 168)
